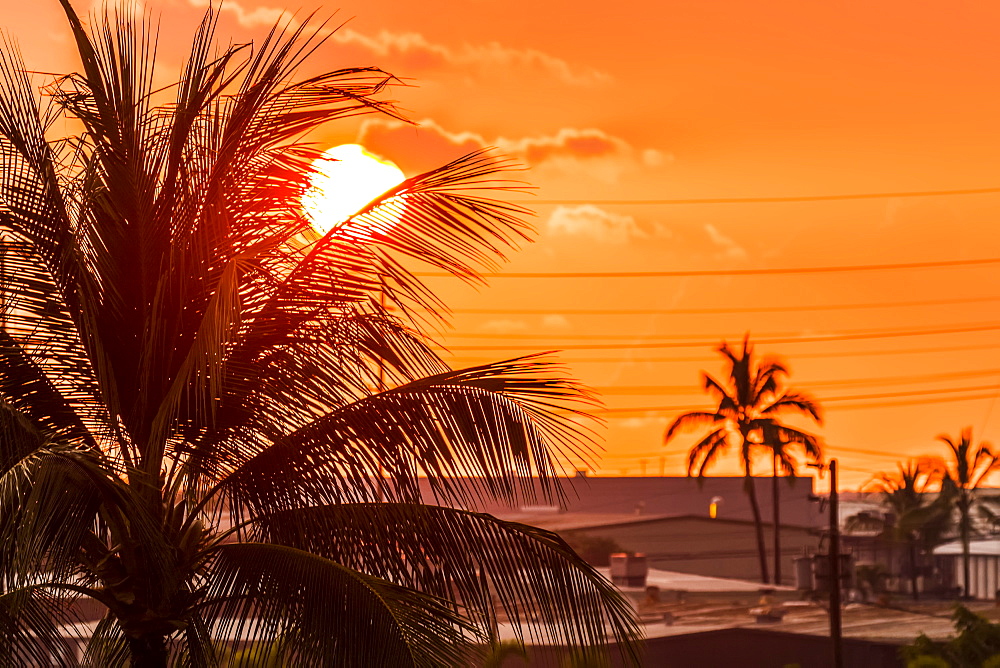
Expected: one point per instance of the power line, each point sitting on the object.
(805, 384)
(710, 358)
(837, 407)
(990, 391)
(771, 200)
(848, 335)
(557, 310)
(914, 402)
(860, 451)
(714, 339)
(939, 264)
(669, 452)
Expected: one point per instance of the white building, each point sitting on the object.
(984, 566)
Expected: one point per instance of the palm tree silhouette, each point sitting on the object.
(914, 518)
(750, 404)
(966, 470)
(193, 431)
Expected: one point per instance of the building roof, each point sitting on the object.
(688, 582)
(989, 547)
(573, 521)
(666, 496)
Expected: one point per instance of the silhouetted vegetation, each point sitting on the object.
(976, 645)
(210, 421)
(928, 501)
(751, 403)
(595, 550)
(913, 519)
(966, 470)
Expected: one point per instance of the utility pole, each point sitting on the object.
(777, 521)
(835, 623)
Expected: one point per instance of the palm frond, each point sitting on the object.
(44, 369)
(32, 624)
(328, 613)
(706, 451)
(723, 395)
(795, 401)
(46, 508)
(498, 426)
(690, 420)
(528, 575)
(779, 437)
(107, 646)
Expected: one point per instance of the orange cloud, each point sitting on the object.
(259, 17)
(428, 145)
(589, 143)
(414, 52)
(417, 148)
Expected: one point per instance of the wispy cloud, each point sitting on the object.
(413, 52)
(503, 326)
(555, 321)
(258, 17)
(575, 150)
(594, 223)
(725, 245)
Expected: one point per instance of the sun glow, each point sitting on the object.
(347, 178)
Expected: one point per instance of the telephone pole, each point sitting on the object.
(835, 622)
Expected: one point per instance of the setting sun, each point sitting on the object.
(347, 178)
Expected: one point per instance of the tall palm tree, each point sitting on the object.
(750, 404)
(209, 423)
(966, 470)
(915, 517)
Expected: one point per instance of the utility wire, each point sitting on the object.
(710, 358)
(860, 451)
(848, 335)
(731, 272)
(714, 338)
(557, 310)
(804, 384)
(990, 391)
(771, 200)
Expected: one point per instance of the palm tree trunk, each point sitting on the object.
(758, 526)
(776, 500)
(913, 570)
(148, 652)
(964, 528)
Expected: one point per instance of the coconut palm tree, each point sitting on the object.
(210, 424)
(751, 402)
(966, 470)
(915, 517)
(783, 460)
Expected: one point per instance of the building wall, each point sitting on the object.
(984, 574)
(737, 648)
(718, 548)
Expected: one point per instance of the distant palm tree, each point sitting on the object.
(966, 470)
(750, 403)
(915, 517)
(210, 425)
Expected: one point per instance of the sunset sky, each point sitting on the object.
(617, 107)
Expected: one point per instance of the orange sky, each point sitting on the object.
(676, 100)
